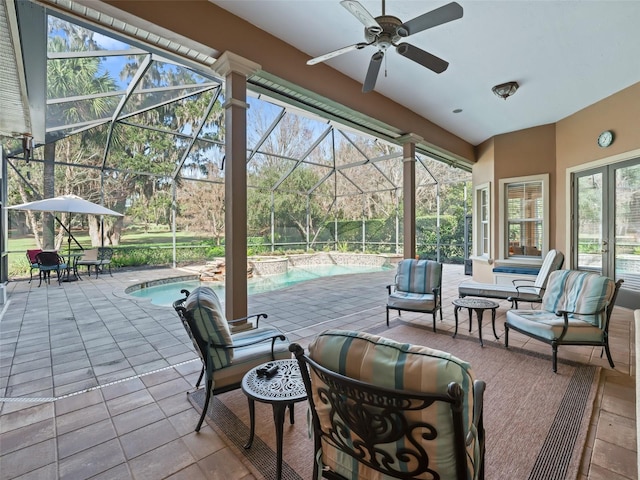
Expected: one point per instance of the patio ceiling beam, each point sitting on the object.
(95, 53)
(80, 126)
(144, 66)
(194, 136)
(427, 169)
(350, 181)
(161, 104)
(266, 134)
(32, 21)
(321, 137)
(321, 181)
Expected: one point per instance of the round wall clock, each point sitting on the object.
(605, 138)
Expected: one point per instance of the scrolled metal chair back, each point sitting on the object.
(377, 426)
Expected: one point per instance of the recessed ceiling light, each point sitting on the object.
(457, 110)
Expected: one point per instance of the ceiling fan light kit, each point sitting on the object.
(505, 90)
(386, 31)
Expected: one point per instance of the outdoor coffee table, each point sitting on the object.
(479, 305)
(283, 389)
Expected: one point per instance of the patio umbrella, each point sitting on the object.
(66, 204)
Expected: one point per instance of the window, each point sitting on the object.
(524, 205)
(483, 215)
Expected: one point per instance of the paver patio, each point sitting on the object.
(93, 381)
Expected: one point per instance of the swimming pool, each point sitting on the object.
(166, 293)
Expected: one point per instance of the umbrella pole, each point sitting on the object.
(68, 275)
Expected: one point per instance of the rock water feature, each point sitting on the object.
(214, 271)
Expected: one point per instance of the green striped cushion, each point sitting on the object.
(577, 291)
(418, 276)
(212, 326)
(390, 364)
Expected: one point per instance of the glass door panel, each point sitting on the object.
(627, 226)
(606, 225)
(589, 222)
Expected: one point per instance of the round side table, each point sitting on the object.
(283, 389)
(479, 305)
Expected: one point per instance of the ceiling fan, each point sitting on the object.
(386, 31)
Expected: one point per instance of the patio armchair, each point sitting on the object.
(225, 357)
(33, 261)
(47, 263)
(98, 258)
(383, 409)
(417, 288)
(523, 290)
(576, 309)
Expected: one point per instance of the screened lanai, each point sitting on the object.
(142, 131)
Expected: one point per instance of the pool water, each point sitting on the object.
(167, 293)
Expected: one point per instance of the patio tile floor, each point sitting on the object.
(119, 368)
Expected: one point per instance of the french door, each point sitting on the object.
(606, 225)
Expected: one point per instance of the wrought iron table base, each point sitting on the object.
(479, 306)
(282, 390)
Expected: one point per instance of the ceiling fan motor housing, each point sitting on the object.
(389, 35)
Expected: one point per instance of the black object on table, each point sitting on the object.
(479, 305)
(279, 383)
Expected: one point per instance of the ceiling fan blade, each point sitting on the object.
(335, 53)
(372, 72)
(444, 14)
(363, 15)
(425, 59)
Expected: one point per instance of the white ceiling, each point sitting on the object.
(565, 55)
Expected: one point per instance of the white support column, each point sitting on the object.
(235, 70)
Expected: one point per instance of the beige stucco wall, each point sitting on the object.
(483, 173)
(525, 152)
(558, 149)
(577, 147)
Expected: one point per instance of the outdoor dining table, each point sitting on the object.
(71, 274)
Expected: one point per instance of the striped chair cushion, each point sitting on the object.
(390, 364)
(245, 358)
(577, 291)
(418, 276)
(548, 325)
(209, 319)
(416, 301)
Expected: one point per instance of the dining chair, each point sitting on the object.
(33, 261)
(48, 262)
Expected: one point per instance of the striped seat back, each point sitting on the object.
(209, 326)
(583, 292)
(418, 276)
(406, 368)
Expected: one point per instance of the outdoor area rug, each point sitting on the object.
(536, 421)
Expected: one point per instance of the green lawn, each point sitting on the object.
(19, 266)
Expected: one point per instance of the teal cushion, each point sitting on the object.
(418, 276)
(549, 326)
(584, 293)
(209, 319)
(412, 301)
(245, 358)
